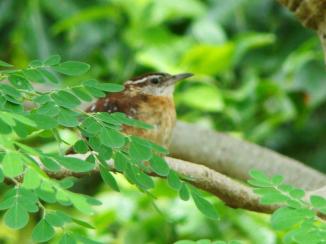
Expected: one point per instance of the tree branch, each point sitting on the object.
(233, 193)
(235, 158)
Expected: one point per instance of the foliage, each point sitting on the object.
(297, 217)
(26, 167)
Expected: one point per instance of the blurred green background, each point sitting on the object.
(259, 75)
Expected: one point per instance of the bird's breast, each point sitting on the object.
(159, 112)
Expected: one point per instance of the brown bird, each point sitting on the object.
(148, 98)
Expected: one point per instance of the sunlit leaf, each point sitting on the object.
(16, 217)
(31, 179)
(159, 166)
(65, 99)
(108, 178)
(111, 138)
(5, 64)
(204, 206)
(53, 60)
(80, 146)
(72, 68)
(12, 164)
(43, 231)
(75, 164)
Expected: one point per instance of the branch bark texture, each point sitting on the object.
(233, 193)
(235, 158)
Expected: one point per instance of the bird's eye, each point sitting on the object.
(155, 80)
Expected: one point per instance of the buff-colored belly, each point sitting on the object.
(161, 115)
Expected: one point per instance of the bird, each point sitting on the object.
(149, 98)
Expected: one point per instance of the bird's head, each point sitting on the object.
(156, 84)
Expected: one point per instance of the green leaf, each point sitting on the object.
(5, 64)
(49, 76)
(16, 217)
(54, 219)
(318, 201)
(50, 108)
(4, 128)
(111, 138)
(20, 82)
(204, 206)
(143, 180)
(7, 202)
(272, 198)
(68, 118)
(259, 179)
(72, 68)
(9, 90)
(80, 146)
(35, 63)
(284, 218)
(108, 87)
(31, 179)
(120, 161)
(82, 94)
(105, 153)
(139, 152)
(75, 164)
(67, 239)
(67, 182)
(159, 166)
(95, 143)
(53, 60)
(95, 92)
(43, 121)
(257, 183)
(80, 202)
(184, 192)
(91, 126)
(259, 176)
(108, 178)
(277, 180)
(107, 118)
(25, 120)
(65, 99)
(34, 75)
(41, 99)
(43, 231)
(185, 242)
(173, 180)
(50, 164)
(46, 193)
(83, 223)
(123, 119)
(297, 193)
(12, 164)
(294, 203)
(2, 177)
(62, 197)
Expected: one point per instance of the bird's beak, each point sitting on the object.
(178, 77)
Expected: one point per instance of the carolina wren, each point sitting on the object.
(148, 98)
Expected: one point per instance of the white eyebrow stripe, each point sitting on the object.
(142, 80)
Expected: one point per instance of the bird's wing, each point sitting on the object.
(116, 102)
